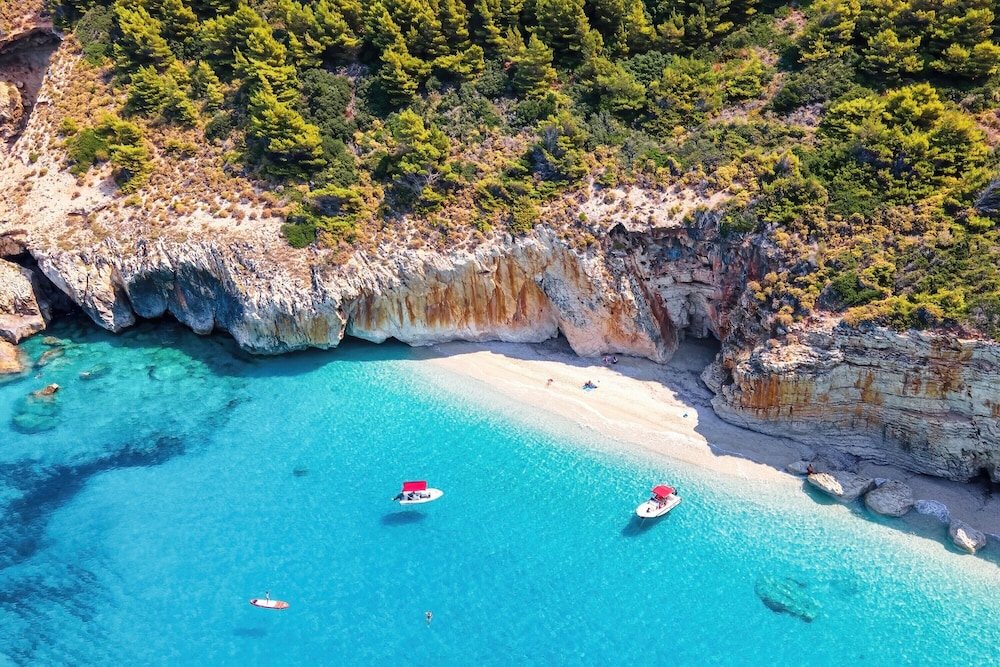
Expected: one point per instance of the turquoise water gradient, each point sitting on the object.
(184, 478)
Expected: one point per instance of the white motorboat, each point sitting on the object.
(664, 498)
(417, 492)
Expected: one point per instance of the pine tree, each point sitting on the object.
(562, 25)
(534, 75)
(205, 85)
(485, 26)
(608, 17)
(341, 23)
(263, 58)
(465, 65)
(513, 46)
(221, 37)
(401, 74)
(286, 143)
(421, 28)
(179, 24)
(381, 30)
(830, 30)
(141, 41)
(886, 55)
(420, 153)
(145, 93)
(454, 19)
(640, 36)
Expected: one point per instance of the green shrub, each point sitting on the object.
(220, 127)
(524, 216)
(299, 235)
(85, 149)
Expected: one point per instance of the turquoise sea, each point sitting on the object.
(173, 478)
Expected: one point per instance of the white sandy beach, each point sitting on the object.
(666, 409)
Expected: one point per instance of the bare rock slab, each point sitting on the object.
(966, 537)
(844, 486)
(891, 499)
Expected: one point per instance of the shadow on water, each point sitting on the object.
(48, 488)
(636, 526)
(218, 353)
(402, 518)
(63, 588)
(255, 633)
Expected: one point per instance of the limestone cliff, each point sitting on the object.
(923, 401)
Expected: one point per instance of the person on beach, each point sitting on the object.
(589, 385)
(549, 383)
(810, 470)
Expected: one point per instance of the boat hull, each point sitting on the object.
(269, 604)
(418, 497)
(652, 509)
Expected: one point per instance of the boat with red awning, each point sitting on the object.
(417, 492)
(663, 499)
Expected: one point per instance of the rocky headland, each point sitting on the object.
(610, 283)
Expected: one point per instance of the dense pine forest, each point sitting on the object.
(858, 139)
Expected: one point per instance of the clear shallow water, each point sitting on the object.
(189, 477)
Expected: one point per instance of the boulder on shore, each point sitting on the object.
(965, 537)
(890, 499)
(844, 486)
(798, 467)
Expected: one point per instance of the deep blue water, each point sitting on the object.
(181, 478)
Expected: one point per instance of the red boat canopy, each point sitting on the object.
(414, 486)
(662, 491)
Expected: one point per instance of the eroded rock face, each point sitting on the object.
(890, 499)
(921, 401)
(21, 315)
(520, 291)
(10, 360)
(844, 486)
(525, 291)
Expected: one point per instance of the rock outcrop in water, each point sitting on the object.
(785, 595)
(922, 401)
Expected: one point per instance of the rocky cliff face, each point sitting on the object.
(925, 402)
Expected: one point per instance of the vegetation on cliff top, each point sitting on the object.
(857, 139)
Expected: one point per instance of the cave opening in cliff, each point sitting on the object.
(696, 353)
(987, 482)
